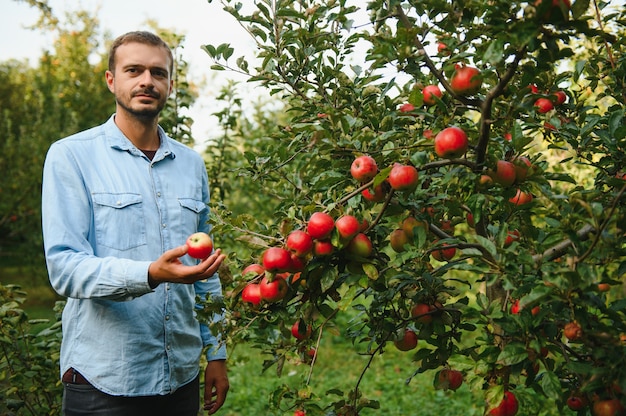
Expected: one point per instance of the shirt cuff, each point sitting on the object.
(137, 278)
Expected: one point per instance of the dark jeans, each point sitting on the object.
(84, 399)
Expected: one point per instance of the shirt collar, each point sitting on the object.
(117, 140)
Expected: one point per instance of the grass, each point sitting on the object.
(339, 367)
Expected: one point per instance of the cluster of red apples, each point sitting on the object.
(281, 266)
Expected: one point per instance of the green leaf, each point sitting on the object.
(551, 385)
(495, 52)
(512, 353)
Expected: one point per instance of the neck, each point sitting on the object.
(143, 133)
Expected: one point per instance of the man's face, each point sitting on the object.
(141, 81)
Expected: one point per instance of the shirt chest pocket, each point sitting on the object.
(119, 220)
(190, 211)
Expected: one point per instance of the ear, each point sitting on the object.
(110, 78)
(171, 87)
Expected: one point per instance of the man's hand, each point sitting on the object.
(216, 385)
(169, 268)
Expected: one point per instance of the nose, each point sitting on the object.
(146, 79)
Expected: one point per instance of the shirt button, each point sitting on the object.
(159, 194)
(164, 225)
(168, 347)
(119, 203)
(167, 317)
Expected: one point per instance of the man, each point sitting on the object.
(119, 201)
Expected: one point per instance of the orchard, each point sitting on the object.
(495, 132)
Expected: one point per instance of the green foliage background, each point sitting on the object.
(288, 155)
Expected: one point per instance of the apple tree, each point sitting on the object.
(471, 158)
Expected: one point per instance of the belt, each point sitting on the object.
(72, 376)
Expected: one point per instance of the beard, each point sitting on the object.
(143, 112)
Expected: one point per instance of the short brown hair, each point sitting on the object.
(147, 38)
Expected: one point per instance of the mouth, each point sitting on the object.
(146, 94)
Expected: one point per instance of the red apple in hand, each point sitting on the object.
(363, 168)
(451, 142)
(200, 245)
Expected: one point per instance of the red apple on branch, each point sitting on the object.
(375, 194)
(347, 227)
(276, 260)
(504, 173)
(299, 242)
(448, 379)
(543, 105)
(397, 239)
(521, 198)
(511, 236)
(297, 333)
(406, 108)
(507, 407)
(273, 290)
(253, 268)
(251, 294)
(576, 401)
(451, 142)
(403, 177)
(364, 168)
(360, 245)
(421, 311)
(409, 225)
(405, 340)
(323, 248)
(466, 80)
(609, 407)
(320, 225)
(559, 97)
(573, 331)
(443, 254)
(199, 245)
(429, 93)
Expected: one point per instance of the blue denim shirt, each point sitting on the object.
(108, 212)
